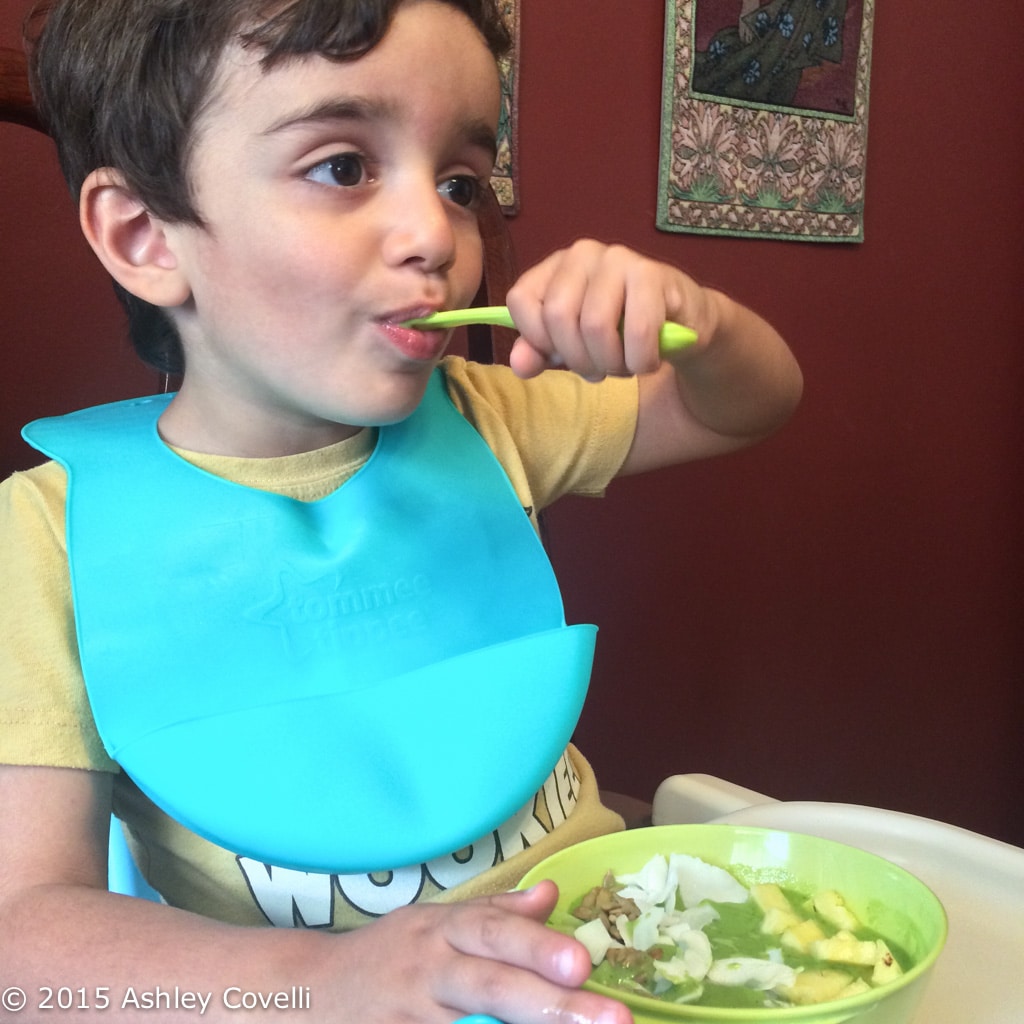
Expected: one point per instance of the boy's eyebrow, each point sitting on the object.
(477, 132)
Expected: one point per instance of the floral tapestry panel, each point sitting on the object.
(765, 117)
(506, 169)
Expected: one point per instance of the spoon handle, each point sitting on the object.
(671, 338)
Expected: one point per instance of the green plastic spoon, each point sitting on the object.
(672, 337)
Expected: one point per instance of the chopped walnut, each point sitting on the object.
(604, 901)
(636, 961)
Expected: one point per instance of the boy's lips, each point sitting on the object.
(417, 312)
(414, 343)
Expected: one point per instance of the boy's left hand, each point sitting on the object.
(597, 309)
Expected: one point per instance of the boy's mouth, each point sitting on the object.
(415, 343)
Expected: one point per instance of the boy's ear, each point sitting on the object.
(130, 241)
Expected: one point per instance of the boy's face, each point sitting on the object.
(338, 200)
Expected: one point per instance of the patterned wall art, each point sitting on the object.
(506, 169)
(765, 117)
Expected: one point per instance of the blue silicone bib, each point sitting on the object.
(366, 681)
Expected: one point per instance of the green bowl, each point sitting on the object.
(885, 897)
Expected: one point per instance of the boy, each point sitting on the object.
(287, 183)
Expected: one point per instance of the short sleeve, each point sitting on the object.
(45, 717)
(555, 434)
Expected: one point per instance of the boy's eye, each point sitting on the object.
(345, 169)
(462, 190)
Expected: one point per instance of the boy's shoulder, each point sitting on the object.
(31, 515)
(42, 486)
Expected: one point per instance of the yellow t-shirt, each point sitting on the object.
(553, 435)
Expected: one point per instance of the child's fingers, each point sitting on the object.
(529, 1001)
(505, 928)
(515, 969)
(545, 304)
(527, 361)
(596, 309)
(626, 298)
(581, 309)
(492, 956)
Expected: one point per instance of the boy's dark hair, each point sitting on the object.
(120, 84)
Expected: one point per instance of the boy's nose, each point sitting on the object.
(421, 232)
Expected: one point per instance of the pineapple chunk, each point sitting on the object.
(844, 948)
(800, 936)
(855, 988)
(815, 987)
(769, 897)
(831, 907)
(777, 921)
(778, 911)
(887, 967)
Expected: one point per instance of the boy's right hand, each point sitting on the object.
(424, 964)
(492, 956)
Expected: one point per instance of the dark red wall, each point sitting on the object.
(838, 613)
(835, 614)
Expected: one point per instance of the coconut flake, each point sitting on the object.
(698, 917)
(596, 938)
(691, 962)
(645, 928)
(698, 881)
(750, 972)
(653, 885)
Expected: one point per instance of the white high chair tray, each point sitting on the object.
(980, 975)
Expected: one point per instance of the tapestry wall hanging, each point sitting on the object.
(764, 118)
(505, 180)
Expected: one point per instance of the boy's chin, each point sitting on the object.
(396, 402)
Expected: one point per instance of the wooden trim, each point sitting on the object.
(493, 344)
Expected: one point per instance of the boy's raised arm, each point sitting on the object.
(735, 386)
(596, 309)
